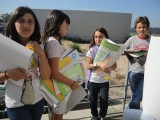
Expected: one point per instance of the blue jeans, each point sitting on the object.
(101, 90)
(136, 84)
(26, 112)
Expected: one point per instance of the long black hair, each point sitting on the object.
(53, 23)
(102, 30)
(11, 30)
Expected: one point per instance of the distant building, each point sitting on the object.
(84, 23)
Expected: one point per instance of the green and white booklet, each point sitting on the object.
(70, 66)
(108, 53)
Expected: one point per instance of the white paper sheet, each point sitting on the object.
(13, 55)
(75, 98)
(151, 92)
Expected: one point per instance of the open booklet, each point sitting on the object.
(70, 65)
(136, 56)
(108, 53)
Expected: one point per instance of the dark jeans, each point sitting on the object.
(136, 84)
(101, 90)
(26, 112)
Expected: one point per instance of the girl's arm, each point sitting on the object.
(55, 74)
(105, 68)
(14, 74)
(44, 68)
(3, 76)
(89, 63)
(113, 67)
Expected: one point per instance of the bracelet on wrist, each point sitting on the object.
(72, 84)
(5, 73)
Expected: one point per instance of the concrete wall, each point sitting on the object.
(84, 23)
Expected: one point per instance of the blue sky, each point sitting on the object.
(149, 8)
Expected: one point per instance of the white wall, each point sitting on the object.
(84, 23)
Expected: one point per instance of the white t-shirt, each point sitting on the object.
(135, 43)
(14, 88)
(53, 48)
(94, 77)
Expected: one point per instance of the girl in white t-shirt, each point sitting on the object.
(97, 85)
(23, 103)
(56, 27)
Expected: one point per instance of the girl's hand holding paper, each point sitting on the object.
(75, 85)
(104, 67)
(16, 74)
(34, 46)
